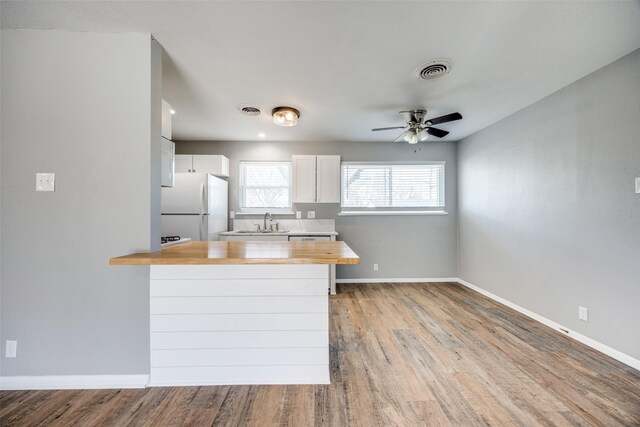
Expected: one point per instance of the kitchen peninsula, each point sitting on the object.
(240, 312)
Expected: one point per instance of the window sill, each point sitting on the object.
(390, 213)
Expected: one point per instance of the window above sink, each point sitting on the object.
(265, 187)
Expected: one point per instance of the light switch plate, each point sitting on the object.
(638, 185)
(45, 181)
(583, 313)
(232, 214)
(11, 348)
(311, 214)
(298, 214)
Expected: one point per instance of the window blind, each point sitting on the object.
(392, 186)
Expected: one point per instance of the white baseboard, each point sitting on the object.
(72, 382)
(611, 352)
(396, 280)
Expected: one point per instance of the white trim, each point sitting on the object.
(72, 382)
(395, 280)
(264, 211)
(367, 213)
(611, 352)
(306, 381)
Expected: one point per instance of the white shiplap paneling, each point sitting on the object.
(233, 287)
(240, 357)
(237, 339)
(213, 305)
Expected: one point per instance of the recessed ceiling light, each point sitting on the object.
(285, 116)
(262, 135)
(172, 111)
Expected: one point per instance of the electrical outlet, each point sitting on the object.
(298, 214)
(311, 214)
(232, 214)
(45, 182)
(583, 313)
(637, 185)
(375, 267)
(11, 348)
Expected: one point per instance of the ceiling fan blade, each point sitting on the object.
(394, 127)
(444, 119)
(439, 133)
(401, 136)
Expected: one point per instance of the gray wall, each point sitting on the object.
(79, 105)
(403, 246)
(548, 216)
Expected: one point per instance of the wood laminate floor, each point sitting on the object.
(401, 354)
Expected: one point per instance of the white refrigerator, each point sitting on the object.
(195, 207)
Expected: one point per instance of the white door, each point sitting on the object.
(183, 163)
(191, 226)
(187, 196)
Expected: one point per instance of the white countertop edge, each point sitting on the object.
(391, 213)
(289, 233)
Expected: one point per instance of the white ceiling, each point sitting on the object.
(349, 66)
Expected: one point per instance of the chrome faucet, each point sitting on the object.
(265, 220)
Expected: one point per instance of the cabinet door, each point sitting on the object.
(183, 163)
(304, 178)
(213, 164)
(328, 186)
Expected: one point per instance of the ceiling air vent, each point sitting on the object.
(434, 69)
(249, 110)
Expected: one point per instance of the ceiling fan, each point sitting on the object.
(418, 128)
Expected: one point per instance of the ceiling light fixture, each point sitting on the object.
(423, 134)
(262, 135)
(285, 116)
(410, 136)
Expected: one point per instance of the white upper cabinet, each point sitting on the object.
(200, 163)
(166, 120)
(328, 179)
(316, 179)
(304, 178)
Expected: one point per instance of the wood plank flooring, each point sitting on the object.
(401, 354)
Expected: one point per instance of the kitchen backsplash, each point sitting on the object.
(288, 224)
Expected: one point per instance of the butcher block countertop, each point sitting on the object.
(244, 252)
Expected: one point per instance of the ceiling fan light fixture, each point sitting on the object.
(411, 137)
(285, 116)
(423, 135)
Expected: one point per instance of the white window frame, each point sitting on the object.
(399, 210)
(262, 210)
